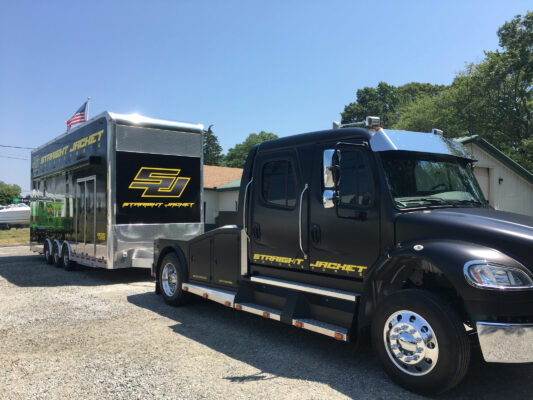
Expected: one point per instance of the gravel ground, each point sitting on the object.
(105, 334)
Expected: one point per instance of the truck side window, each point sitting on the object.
(355, 187)
(278, 186)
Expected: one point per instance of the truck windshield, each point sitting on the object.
(430, 180)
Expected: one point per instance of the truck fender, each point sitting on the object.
(445, 258)
(172, 247)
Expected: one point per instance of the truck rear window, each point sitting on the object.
(278, 186)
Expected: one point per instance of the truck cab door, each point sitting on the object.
(344, 231)
(274, 224)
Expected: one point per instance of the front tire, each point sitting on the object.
(171, 276)
(420, 341)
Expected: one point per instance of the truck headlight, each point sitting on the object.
(488, 275)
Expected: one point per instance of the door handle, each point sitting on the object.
(316, 234)
(306, 187)
(256, 231)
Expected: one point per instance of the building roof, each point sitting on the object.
(234, 185)
(497, 154)
(215, 177)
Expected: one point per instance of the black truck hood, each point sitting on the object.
(509, 233)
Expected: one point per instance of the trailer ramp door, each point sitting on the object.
(86, 216)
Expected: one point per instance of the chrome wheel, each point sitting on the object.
(56, 257)
(411, 343)
(169, 279)
(65, 257)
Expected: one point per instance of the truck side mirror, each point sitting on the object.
(329, 183)
(331, 177)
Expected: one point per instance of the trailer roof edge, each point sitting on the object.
(133, 120)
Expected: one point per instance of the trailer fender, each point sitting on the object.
(66, 246)
(47, 242)
(57, 243)
(442, 258)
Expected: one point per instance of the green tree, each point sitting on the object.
(212, 149)
(236, 156)
(8, 192)
(386, 100)
(493, 99)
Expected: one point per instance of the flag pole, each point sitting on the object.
(87, 111)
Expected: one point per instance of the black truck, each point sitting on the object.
(363, 229)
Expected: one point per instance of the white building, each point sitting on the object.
(506, 184)
(221, 193)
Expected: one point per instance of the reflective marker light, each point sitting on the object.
(266, 315)
(227, 303)
(238, 307)
(298, 324)
(487, 275)
(339, 336)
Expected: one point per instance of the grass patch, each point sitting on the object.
(15, 236)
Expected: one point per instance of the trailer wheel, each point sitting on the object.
(171, 275)
(67, 263)
(48, 254)
(58, 262)
(420, 341)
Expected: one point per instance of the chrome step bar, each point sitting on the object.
(334, 331)
(217, 295)
(304, 287)
(258, 309)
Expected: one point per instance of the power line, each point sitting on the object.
(17, 147)
(16, 158)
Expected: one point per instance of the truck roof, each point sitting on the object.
(379, 139)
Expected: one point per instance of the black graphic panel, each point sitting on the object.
(155, 188)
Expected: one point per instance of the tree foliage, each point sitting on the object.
(8, 192)
(236, 156)
(385, 101)
(493, 99)
(212, 149)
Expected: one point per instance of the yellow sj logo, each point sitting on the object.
(159, 182)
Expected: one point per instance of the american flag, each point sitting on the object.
(78, 117)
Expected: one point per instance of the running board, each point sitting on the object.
(227, 298)
(304, 287)
(217, 295)
(334, 331)
(260, 310)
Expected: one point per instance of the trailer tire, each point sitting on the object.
(68, 264)
(420, 341)
(48, 253)
(56, 255)
(172, 273)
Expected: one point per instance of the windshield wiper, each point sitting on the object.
(471, 202)
(433, 200)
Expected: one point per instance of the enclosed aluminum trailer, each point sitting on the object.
(102, 193)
